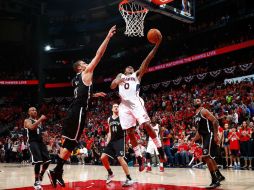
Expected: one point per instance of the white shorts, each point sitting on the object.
(132, 111)
(151, 148)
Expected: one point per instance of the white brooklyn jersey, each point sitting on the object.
(130, 88)
(157, 131)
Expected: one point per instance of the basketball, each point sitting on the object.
(153, 35)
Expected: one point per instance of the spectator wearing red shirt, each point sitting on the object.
(245, 135)
(234, 146)
(182, 151)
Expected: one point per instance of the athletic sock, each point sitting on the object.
(128, 177)
(110, 172)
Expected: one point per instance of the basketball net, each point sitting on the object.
(134, 16)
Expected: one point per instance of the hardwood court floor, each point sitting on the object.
(14, 176)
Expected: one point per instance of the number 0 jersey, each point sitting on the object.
(130, 88)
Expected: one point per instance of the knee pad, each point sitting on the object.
(69, 144)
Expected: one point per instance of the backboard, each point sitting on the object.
(183, 10)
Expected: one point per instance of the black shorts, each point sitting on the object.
(209, 146)
(74, 123)
(115, 149)
(235, 152)
(39, 152)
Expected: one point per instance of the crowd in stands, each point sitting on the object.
(232, 104)
(19, 75)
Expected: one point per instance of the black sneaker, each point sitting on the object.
(213, 185)
(56, 177)
(162, 155)
(221, 178)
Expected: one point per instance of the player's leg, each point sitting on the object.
(72, 130)
(128, 121)
(148, 161)
(108, 152)
(119, 149)
(36, 161)
(141, 115)
(209, 149)
(46, 160)
(136, 148)
(161, 163)
(149, 129)
(125, 167)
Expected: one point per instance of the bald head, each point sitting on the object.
(32, 112)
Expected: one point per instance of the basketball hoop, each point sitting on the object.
(134, 16)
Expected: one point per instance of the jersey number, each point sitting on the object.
(38, 131)
(126, 86)
(114, 128)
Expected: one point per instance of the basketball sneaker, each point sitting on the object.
(56, 177)
(162, 155)
(148, 169)
(214, 184)
(219, 176)
(141, 163)
(127, 183)
(37, 185)
(109, 178)
(161, 169)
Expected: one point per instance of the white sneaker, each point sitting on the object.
(128, 183)
(37, 185)
(109, 178)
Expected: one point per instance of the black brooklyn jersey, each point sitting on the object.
(36, 134)
(116, 129)
(82, 92)
(204, 126)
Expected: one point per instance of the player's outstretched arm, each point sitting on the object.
(116, 81)
(143, 68)
(100, 52)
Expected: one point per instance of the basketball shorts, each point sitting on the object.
(131, 111)
(151, 148)
(209, 146)
(39, 152)
(74, 123)
(115, 149)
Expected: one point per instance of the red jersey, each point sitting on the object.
(244, 134)
(166, 141)
(183, 147)
(234, 142)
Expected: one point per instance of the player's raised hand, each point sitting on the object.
(43, 117)
(112, 31)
